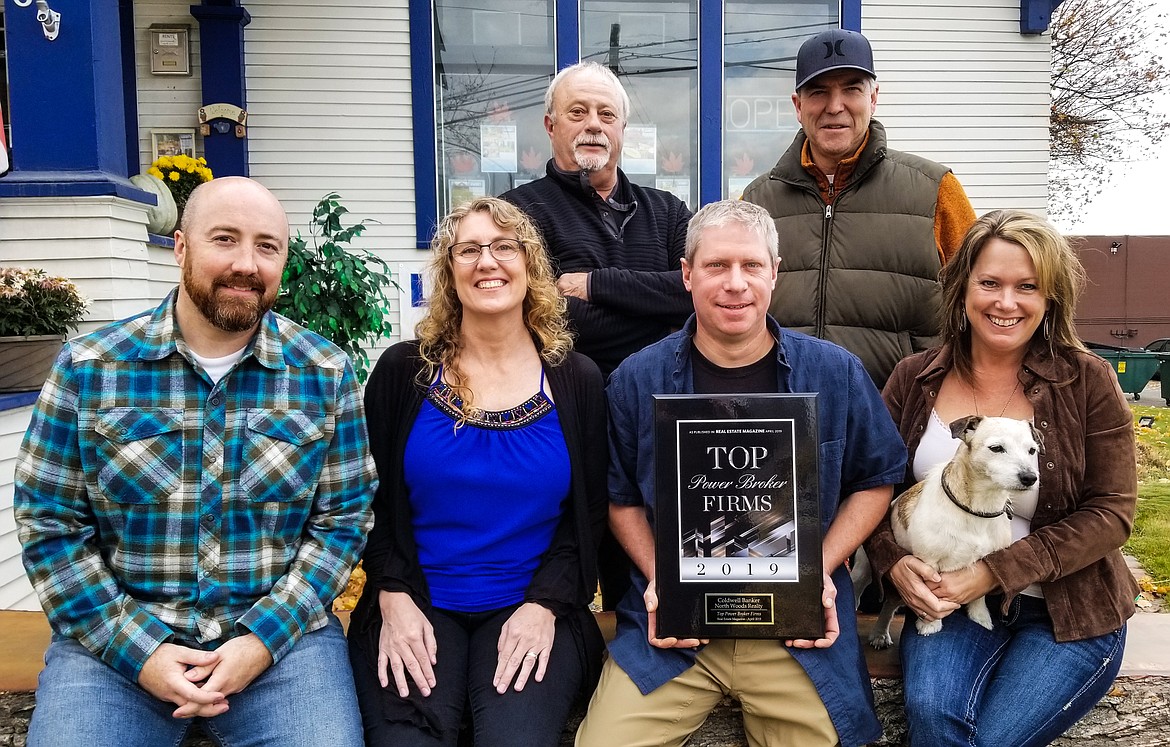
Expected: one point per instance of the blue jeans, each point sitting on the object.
(1013, 685)
(467, 657)
(306, 699)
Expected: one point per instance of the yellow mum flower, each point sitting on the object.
(181, 173)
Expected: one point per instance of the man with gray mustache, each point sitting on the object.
(616, 245)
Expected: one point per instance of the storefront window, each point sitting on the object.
(493, 59)
(760, 40)
(653, 47)
(710, 83)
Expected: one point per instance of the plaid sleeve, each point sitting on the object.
(333, 536)
(58, 531)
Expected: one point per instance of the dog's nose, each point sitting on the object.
(1027, 479)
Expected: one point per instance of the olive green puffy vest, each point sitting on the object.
(863, 271)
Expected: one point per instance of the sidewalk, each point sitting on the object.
(1151, 396)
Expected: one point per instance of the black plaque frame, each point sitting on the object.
(738, 526)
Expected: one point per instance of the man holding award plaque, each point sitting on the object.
(730, 502)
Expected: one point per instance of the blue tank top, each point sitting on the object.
(485, 497)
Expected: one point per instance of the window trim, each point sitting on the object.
(566, 26)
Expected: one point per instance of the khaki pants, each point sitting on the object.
(780, 705)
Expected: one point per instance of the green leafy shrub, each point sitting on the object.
(337, 291)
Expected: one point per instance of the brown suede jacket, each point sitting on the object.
(1088, 486)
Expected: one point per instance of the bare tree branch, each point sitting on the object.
(1106, 72)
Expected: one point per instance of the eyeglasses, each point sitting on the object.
(503, 250)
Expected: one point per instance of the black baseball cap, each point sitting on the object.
(835, 49)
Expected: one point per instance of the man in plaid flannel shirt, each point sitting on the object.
(192, 493)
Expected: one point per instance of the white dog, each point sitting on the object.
(961, 511)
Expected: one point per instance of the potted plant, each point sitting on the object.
(336, 291)
(36, 312)
(182, 174)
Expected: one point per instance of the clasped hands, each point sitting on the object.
(933, 595)
(199, 682)
(407, 646)
(828, 599)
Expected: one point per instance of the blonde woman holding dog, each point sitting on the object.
(1060, 594)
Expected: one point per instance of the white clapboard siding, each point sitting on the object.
(329, 110)
(165, 102)
(16, 593)
(961, 85)
(98, 242)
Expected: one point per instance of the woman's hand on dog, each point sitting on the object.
(832, 625)
(965, 584)
(914, 580)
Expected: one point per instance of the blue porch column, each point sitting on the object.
(221, 51)
(67, 104)
(1035, 15)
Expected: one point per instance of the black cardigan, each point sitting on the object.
(566, 579)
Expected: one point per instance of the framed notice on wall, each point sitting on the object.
(172, 142)
(738, 527)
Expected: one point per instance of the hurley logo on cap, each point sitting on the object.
(834, 49)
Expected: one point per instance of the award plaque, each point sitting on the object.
(738, 526)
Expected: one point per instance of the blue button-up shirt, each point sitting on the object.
(859, 449)
(155, 505)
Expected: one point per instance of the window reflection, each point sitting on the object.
(493, 60)
(653, 47)
(760, 40)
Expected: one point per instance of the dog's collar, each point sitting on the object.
(1007, 507)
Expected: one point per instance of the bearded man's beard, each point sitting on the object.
(587, 161)
(229, 313)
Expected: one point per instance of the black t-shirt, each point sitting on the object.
(758, 377)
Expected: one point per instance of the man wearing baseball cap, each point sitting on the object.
(864, 229)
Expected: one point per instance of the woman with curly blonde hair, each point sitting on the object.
(490, 438)
(544, 307)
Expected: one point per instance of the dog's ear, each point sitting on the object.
(965, 426)
(1036, 435)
